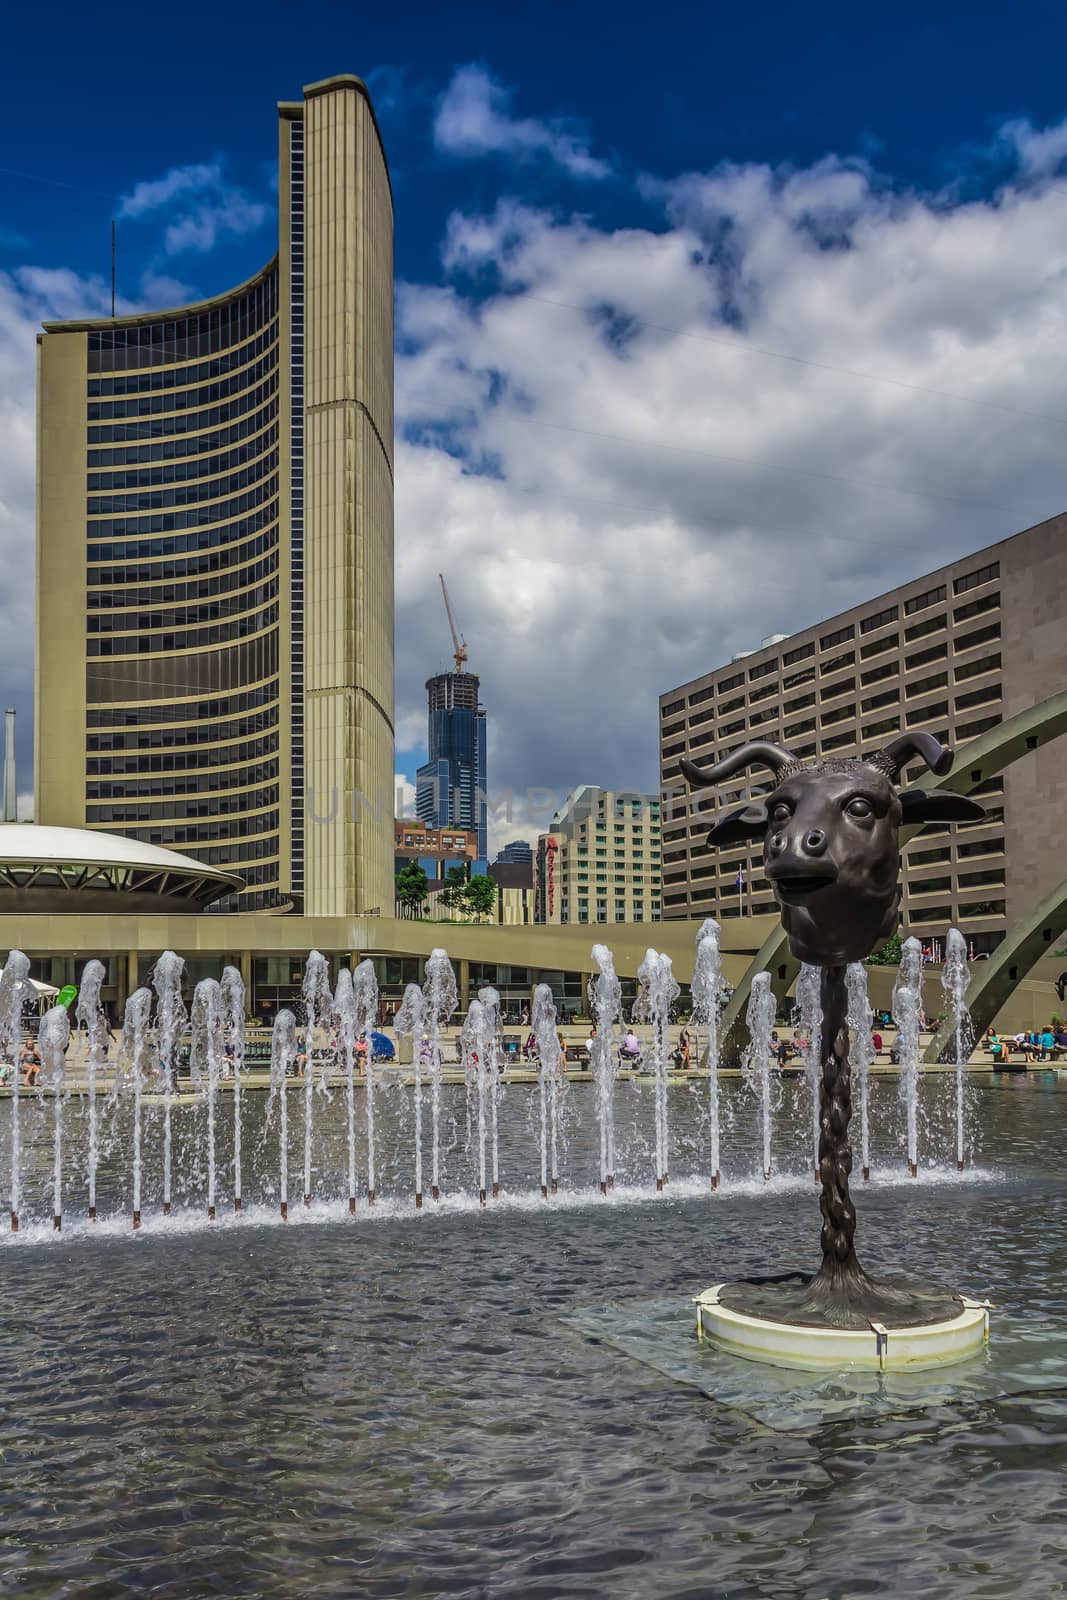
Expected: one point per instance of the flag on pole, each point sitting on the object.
(740, 880)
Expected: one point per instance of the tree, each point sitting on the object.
(411, 888)
(454, 894)
(889, 955)
(480, 897)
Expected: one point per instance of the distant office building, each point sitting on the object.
(435, 849)
(518, 851)
(514, 889)
(600, 861)
(952, 653)
(215, 549)
(450, 789)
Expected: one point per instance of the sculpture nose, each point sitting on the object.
(815, 842)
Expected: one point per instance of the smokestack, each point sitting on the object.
(10, 785)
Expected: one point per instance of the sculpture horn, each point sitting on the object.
(900, 749)
(757, 754)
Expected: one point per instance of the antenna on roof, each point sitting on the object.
(459, 645)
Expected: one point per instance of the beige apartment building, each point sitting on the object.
(600, 861)
(215, 549)
(953, 652)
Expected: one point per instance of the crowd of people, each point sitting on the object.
(1040, 1044)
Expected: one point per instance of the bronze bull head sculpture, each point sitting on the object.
(830, 831)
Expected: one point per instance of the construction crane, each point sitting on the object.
(459, 645)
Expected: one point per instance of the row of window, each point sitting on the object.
(198, 589)
(125, 764)
(143, 381)
(204, 835)
(186, 471)
(224, 534)
(102, 505)
(195, 445)
(126, 644)
(223, 733)
(168, 522)
(182, 616)
(193, 673)
(190, 783)
(220, 558)
(185, 422)
(161, 403)
(192, 711)
(225, 805)
(121, 348)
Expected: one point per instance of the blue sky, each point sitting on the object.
(682, 296)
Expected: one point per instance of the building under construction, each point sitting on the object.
(451, 788)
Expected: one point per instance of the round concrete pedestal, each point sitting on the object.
(783, 1344)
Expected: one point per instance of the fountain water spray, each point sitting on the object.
(550, 1075)
(170, 1021)
(760, 1018)
(205, 1060)
(282, 1056)
(344, 1005)
(93, 1024)
(605, 1004)
(657, 993)
(709, 995)
(809, 1015)
(16, 992)
(907, 1014)
(410, 1021)
(955, 976)
(491, 1006)
(134, 1045)
(365, 999)
(439, 991)
(861, 1051)
(53, 1040)
(233, 1021)
(318, 1003)
(474, 1042)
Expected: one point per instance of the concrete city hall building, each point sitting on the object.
(954, 653)
(215, 550)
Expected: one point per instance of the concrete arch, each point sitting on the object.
(994, 980)
(985, 757)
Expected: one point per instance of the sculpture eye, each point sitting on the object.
(858, 807)
(781, 814)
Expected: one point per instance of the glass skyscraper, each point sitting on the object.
(451, 789)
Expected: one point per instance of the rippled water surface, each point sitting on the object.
(411, 1406)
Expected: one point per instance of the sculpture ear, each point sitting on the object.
(738, 827)
(920, 806)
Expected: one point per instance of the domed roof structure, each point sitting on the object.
(44, 869)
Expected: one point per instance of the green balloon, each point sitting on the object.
(67, 995)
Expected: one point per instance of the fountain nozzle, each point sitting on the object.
(57, 1224)
(137, 1219)
(92, 1213)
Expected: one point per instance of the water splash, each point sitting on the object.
(134, 1047)
(233, 1022)
(170, 1021)
(808, 1014)
(16, 992)
(709, 996)
(474, 1043)
(365, 1000)
(91, 1020)
(760, 1019)
(53, 1039)
(491, 1006)
(344, 1004)
(861, 1052)
(605, 1003)
(657, 992)
(205, 1063)
(439, 992)
(550, 1071)
(318, 1003)
(955, 976)
(907, 1014)
(410, 1022)
(282, 1056)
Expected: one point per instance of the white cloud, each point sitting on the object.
(200, 205)
(634, 452)
(474, 118)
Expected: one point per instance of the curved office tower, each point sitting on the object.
(215, 549)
